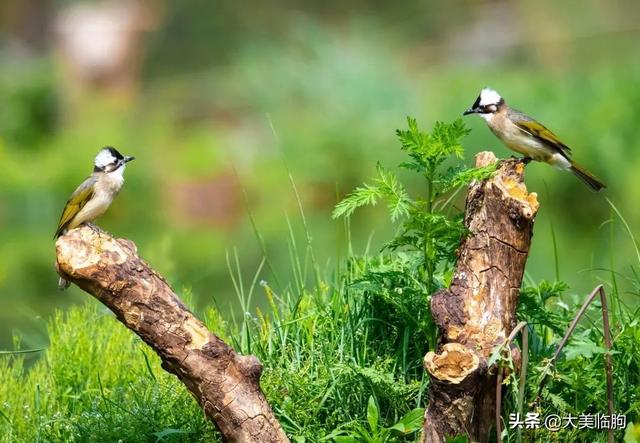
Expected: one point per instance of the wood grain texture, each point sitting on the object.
(225, 384)
(478, 311)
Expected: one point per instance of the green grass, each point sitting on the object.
(96, 382)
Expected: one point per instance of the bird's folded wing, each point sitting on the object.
(538, 131)
(78, 199)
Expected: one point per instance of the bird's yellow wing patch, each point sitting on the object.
(76, 202)
(541, 132)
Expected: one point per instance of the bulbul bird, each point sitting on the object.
(523, 134)
(94, 195)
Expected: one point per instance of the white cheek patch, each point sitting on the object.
(489, 97)
(104, 158)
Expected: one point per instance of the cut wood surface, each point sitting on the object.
(225, 384)
(478, 311)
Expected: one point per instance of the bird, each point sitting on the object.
(95, 194)
(525, 135)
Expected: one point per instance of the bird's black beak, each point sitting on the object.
(470, 111)
(127, 159)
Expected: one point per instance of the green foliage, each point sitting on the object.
(386, 186)
(96, 382)
(577, 383)
(398, 308)
(327, 350)
(425, 226)
(429, 150)
(374, 433)
(542, 305)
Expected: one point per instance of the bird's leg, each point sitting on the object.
(94, 228)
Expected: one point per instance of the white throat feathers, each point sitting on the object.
(488, 117)
(117, 175)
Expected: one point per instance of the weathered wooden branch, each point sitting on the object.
(478, 311)
(225, 384)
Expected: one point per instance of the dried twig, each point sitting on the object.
(523, 375)
(599, 290)
(506, 345)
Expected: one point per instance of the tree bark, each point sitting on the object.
(478, 311)
(225, 384)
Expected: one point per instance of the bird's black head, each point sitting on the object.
(109, 159)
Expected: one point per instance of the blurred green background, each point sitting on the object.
(225, 104)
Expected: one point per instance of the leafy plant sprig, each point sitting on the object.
(426, 228)
(375, 432)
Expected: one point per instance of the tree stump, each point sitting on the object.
(225, 384)
(478, 311)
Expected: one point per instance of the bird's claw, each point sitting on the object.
(95, 229)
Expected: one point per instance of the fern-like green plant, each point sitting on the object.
(425, 227)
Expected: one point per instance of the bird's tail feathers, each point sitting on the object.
(587, 177)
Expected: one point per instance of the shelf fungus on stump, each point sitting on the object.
(478, 311)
